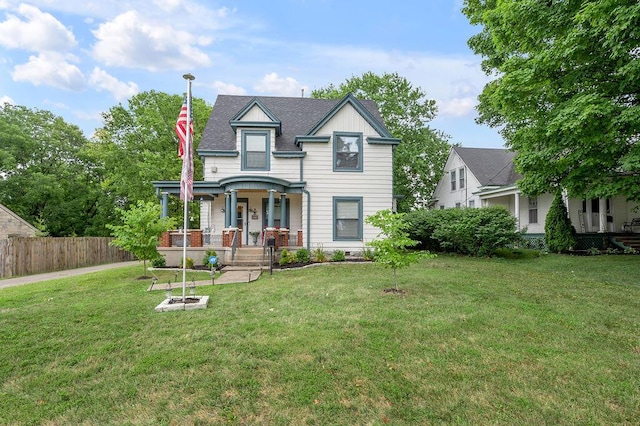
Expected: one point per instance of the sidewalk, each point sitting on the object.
(11, 282)
(227, 277)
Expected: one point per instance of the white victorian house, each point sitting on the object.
(303, 171)
(480, 177)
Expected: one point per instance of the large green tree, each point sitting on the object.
(566, 92)
(420, 157)
(138, 145)
(47, 176)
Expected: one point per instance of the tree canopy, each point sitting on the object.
(420, 157)
(138, 145)
(46, 174)
(567, 91)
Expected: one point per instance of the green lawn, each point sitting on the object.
(550, 340)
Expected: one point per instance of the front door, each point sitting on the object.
(242, 218)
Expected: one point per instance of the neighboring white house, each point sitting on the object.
(305, 171)
(480, 177)
(12, 225)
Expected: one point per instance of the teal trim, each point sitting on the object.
(276, 203)
(267, 149)
(355, 103)
(382, 141)
(289, 154)
(360, 162)
(336, 201)
(255, 124)
(200, 188)
(312, 139)
(237, 119)
(218, 153)
(211, 189)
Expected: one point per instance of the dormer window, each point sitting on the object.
(255, 150)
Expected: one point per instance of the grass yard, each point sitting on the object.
(550, 340)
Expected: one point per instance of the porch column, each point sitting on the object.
(227, 209)
(517, 208)
(234, 209)
(165, 205)
(271, 210)
(283, 211)
(602, 206)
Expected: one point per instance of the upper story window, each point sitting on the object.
(461, 177)
(255, 149)
(453, 180)
(533, 210)
(347, 152)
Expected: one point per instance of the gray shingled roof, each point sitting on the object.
(297, 115)
(491, 166)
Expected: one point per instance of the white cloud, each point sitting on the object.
(6, 100)
(456, 107)
(50, 69)
(130, 40)
(37, 32)
(120, 90)
(274, 85)
(228, 88)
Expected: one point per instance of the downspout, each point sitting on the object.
(308, 205)
(308, 218)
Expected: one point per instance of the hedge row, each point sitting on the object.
(475, 232)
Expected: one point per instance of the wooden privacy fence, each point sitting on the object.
(27, 256)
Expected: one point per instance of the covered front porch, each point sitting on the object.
(242, 211)
(598, 215)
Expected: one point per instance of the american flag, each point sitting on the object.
(181, 128)
(186, 178)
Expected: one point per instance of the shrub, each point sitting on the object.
(319, 255)
(189, 263)
(368, 253)
(338, 256)
(286, 257)
(159, 262)
(207, 255)
(476, 232)
(303, 256)
(559, 234)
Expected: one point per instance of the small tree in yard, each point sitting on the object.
(140, 229)
(392, 246)
(559, 234)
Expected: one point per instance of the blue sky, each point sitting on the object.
(79, 58)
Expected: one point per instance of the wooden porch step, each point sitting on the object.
(632, 241)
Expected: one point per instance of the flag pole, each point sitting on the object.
(187, 151)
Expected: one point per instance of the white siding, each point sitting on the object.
(256, 114)
(373, 184)
(448, 198)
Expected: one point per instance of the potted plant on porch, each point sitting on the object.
(255, 235)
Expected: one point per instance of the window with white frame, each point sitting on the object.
(347, 152)
(533, 209)
(255, 150)
(453, 180)
(472, 204)
(457, 205)
(347, 218)
(461, 177)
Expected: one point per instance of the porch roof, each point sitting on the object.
(211, 189)
(492, 192)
